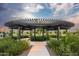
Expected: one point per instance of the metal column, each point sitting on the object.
(11, 32)
(19, 33)
(58, 33)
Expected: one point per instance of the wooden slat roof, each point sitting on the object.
(33, 23)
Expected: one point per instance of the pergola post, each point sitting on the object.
(30, 33)
(19, 32)
(11, 32)
(47, 33)
(34, 32)
(58, 32)
(22, 32)
(43, 33)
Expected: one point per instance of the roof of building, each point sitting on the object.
(33, 23)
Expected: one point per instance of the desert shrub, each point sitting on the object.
(68, 45)
(9, 46)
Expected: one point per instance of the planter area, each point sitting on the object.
(66, 46)
(11, 47)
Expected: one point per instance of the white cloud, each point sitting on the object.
(28, 10)
(23, 15)
(61, 6)
(74, 19)
(32, 7)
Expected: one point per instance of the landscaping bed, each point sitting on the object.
(66, 46)
(11, 47)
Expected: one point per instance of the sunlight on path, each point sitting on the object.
(38, 49)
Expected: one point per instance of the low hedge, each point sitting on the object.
(8, 46)
(39, 38)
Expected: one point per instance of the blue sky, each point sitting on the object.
(37, 10)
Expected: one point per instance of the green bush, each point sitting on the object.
(39, 38)
(8, 46)
(68, 45)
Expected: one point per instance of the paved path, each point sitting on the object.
(38, 49)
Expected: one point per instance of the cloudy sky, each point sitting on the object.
(65, 11)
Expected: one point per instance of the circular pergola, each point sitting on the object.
(29, 24)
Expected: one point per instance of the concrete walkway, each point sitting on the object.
(38, 49)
